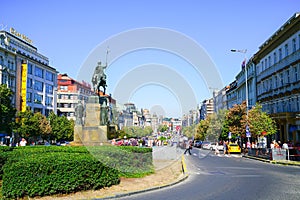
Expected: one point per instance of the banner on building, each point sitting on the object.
(24, 87)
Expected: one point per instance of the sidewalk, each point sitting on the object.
(281, 162)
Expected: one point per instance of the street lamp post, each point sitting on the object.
(244, 51)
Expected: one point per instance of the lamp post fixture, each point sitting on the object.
(244, 51)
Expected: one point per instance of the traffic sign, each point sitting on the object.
(248, 134)
(229, 135)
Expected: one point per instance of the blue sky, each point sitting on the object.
(68, 31)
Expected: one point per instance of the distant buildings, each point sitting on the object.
(207, 108)
(69, 93)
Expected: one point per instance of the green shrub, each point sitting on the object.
(53, 173)
(129, 161)
(4, 157)
(46, 170)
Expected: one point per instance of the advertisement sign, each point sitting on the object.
(23, 87)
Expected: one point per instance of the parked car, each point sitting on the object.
(206, 145)
(213, 146)
(198, 143)
(234, 148)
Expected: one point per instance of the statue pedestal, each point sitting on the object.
(92, 133)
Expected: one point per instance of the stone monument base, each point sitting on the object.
(90, 136)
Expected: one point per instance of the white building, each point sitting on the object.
(278, 81)
(27, 73)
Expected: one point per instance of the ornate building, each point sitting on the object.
(278, 81)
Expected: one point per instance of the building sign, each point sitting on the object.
(23, 87)
(21, 36)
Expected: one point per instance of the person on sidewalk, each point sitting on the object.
(217, 149)
(188, 147)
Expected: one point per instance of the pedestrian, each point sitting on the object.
(23, 142)
(217, 149)
(225, 147)
(188, 147)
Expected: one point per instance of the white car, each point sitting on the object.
(206, 145)
(213, 146)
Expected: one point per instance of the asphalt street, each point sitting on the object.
(230, 177)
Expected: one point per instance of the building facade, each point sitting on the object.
(28, 73)
(69, 93)
(207, 108)
(251, 84)
(220, 100)
(278, 81)
(231, 96)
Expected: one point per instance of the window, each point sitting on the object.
(29, 97)
(29, 82)
(297, 102)
(49, 101)
(266, 62)
(294, 45)
(63, 87)
(296, 73)
(29, 68)
(276, 81)
(299, 41)
(38, 98)
(280, 54)
(40, 110)
(281, 79)
(288, 76)
(49, 89)
(275, 58)
(49, 76)
(269, 59)
(39, 72)
(286, 49)
(38, 86)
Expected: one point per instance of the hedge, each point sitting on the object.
(129, 161)
(53, 173)
(4, 157)
(47, 170)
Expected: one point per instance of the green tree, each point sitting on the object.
(201, 129)
(190, 131)
(163, 128)
(62, 128)
(235, 121)
(216, 125)
(7, 111)
(25, 125)
(44, 128)
(260, 122)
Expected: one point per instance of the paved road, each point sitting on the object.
(220, 177)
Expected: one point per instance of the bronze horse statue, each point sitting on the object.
(99, 79)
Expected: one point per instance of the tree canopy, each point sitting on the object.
(7, 111)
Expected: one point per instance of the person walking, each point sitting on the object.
(225, 147)
(188, 147)
(217, 149)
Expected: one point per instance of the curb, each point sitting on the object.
(278, 162)
(184, 177)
